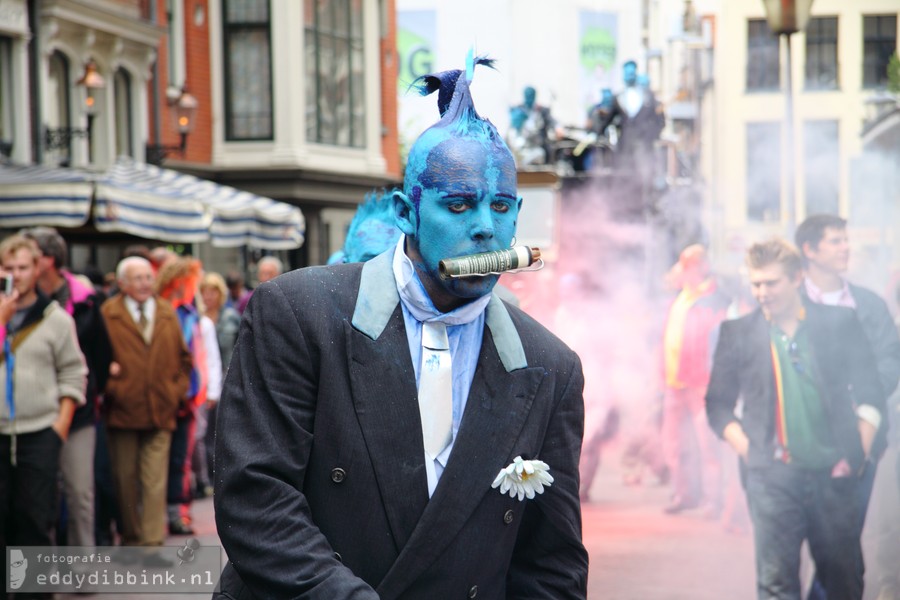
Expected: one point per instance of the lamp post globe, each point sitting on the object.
(787, 16)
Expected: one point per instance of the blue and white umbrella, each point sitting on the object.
(41, 195)
(159, 203)
(149, 203)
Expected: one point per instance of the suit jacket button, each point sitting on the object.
(473, 591)
(338, 556)
(338, 475)
(508, 517)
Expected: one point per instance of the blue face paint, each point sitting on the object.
(468, 205)
(629, 73)
(607, 100)
(460, 197)
(530, 96)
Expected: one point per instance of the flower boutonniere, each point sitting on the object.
(523, 478)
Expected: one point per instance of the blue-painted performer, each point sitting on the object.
(378, 421)
(532, 130)
(371, 231)
(639, 116)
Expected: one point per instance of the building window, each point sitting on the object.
(763, 58)
(335, 97)
(821, 53)
(124, 129)
(58, 117)
(764, 172)
(176, 62)
(822, 166)
(879, 43)
(7, 137)
(248, 70)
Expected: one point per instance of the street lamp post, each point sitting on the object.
(61, 137)
(184, 109)
(786, 17)
(91, 81)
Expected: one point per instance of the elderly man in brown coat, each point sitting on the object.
(148, 380)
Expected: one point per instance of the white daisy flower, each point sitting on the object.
(523, 478)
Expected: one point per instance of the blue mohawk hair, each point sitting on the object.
(459, 119)
(444, 83)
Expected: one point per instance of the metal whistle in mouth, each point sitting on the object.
(491, 263)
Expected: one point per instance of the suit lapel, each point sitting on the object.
(759, 348)
(498, 404)
(383, 384)
(120, 311)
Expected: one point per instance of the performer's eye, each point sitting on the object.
(458, 207)
(501, 207)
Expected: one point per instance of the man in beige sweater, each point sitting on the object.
(42, 380)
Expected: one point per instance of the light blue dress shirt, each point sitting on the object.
(465, 329)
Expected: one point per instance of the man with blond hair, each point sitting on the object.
(148, 379)
(42, 378)
(812, 406)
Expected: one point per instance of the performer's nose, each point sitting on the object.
(483, 223)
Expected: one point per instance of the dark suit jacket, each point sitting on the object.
(876, 321)
(639, 131)
(844, 368)
(320, 477)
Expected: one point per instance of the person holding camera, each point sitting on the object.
(42, 380)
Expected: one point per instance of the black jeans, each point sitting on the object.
(28, 490)
(866, 481)
(788, 505)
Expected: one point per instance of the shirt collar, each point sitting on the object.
(844, 297)
(132, 305)
(416, 299)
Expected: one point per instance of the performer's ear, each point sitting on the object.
(405, 215)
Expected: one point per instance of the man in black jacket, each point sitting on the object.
(812, 406)
(825, 246)
(823, 242)
(82, 302)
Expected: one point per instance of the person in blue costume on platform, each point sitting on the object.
(387, 434)
(640, 119)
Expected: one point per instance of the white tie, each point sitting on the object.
(436, 389)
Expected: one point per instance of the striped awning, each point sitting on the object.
(159, 203)
(41, 195)
(148, 204)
